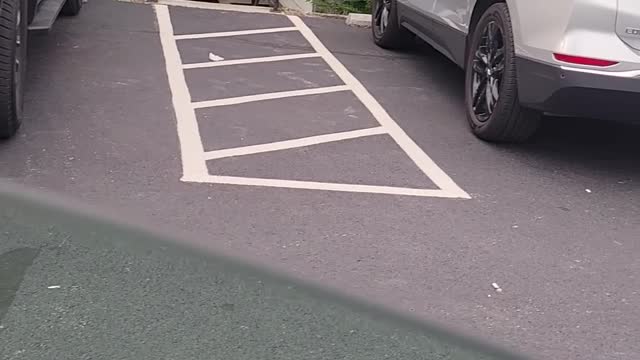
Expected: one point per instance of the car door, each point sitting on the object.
(451, 25)
(453, 13)
(442, 23)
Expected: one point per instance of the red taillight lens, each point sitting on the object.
(583, 60)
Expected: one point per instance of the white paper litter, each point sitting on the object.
(214, 57)
(588, 190)
(53, 287)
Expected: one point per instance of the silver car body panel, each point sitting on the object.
(454, 13)
(575, 27)
(544, 27)
(628, 22)
(597, 29)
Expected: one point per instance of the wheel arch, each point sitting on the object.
(482, 5)
(31, 9)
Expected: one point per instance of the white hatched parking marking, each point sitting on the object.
(234, 33)
(315, 185)
(249, 61)
(215, 6)
(192, 150)
(292, 144)
(194, 157)
(269, 96)
(419, 157)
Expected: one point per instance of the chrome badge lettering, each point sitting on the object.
(633, 31)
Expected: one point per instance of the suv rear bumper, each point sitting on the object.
(576, 92)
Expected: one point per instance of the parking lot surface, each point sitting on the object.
(298, 144)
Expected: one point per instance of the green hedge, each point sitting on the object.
(342, 7)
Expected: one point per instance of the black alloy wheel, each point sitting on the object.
(488, 69)
(491, 96)
(387, 32)
(381, 15)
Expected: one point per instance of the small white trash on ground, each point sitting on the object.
(214, 57)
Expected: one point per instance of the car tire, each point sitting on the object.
(491, 85)
(71, 7)
(31, 4)
(386, 30)
(13, 56)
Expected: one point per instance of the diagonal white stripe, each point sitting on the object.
(233, 33)
(292, 144)
(419, 157)
(214, 6)
(268, 96)
(314, 185)
(249, 61)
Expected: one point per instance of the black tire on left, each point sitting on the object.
(31, 5)
(392, 35)
(13, 63)
(71, 7)
(504, 120)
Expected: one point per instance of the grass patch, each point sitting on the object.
(342, 7)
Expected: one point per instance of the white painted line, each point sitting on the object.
(233, 33)
(292, 144)
(419, 157)
(188, 132)
(193, 154)
(313, 185)
(221, 7)
(268, 96)
(250, 60)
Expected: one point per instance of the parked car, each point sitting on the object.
(18, 19)
(525, 58)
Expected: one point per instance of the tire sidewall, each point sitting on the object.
(508, 86)
(71, 7)
(393, 20)
(12, 95)
(22, 56)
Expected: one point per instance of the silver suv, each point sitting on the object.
(524, 58)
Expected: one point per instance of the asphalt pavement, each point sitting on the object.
(555, 222)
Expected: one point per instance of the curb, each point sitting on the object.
(360, 20)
